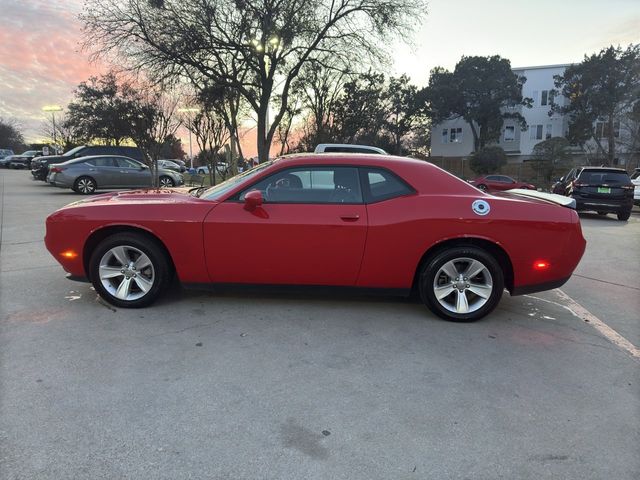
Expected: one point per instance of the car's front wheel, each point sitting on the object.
(461, 284)
(166, 182)
(85, 185)
(129, 270)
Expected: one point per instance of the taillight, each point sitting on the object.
(579, 185)
(541, 265)
(55, 170)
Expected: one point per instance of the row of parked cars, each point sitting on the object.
(9, 160)
(88, 168)
(600, 189)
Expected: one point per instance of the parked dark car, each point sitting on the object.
(40, 165)
(599, 189)
(499, 182)
(87, 174)
(23, 160)
(5, 152)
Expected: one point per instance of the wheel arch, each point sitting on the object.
(493, 248)
(99, 235)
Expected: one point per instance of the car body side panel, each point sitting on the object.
(401, 231)
(69, 229)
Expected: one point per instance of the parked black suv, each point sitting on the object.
(600, 189)
(40, 165)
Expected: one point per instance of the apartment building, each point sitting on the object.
(453, 138)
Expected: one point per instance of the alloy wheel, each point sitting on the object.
(126, 272)
(463, 285)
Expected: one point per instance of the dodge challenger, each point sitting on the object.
(372, 223)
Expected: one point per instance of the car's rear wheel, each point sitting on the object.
(483, 187)
(166, 182)
(129, 270)
(624, 216)
(461, 284)
(85, 185)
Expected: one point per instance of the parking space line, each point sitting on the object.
(586, 316)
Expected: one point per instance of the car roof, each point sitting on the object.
(604, 169)
(340, 158)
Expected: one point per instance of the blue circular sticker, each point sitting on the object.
(480, 207)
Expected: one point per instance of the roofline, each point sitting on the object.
(540, 67)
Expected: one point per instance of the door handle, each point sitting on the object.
(350, 218)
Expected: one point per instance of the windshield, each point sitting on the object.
(73, 151)
(217, 191)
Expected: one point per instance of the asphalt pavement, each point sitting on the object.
(236, 386)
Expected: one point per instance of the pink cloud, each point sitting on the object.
(40, 59)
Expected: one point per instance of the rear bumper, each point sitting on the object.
(540, 287)
(608, 205)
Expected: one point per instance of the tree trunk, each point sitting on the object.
(476, 140)
(611, 139)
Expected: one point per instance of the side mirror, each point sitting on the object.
(252, 200)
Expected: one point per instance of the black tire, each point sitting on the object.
(166, 181)
(624, 216)
(85, 185)
(161, 269)
(432, 267)
(483, 187)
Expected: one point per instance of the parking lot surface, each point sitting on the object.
(246, 386)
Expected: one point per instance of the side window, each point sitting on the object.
(126, 163)
(104, 162)
(381, 184)
(493, 178)
(310, 185)
(98, 150)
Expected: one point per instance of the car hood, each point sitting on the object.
(142, 196)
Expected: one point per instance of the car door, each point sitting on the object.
(310, 230)
(133, 174)
(104, 171)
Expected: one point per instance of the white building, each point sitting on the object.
(453, 138)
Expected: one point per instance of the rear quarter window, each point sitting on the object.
(380, 184)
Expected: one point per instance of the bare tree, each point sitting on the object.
(65, 133)
(211, 133)
(255, 47)
(154, 120)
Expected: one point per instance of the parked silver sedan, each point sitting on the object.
(85, 175)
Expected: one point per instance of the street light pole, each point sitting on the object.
(189, 110)
(53, 109)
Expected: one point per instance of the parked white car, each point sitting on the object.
(635, 179)
(348, 148)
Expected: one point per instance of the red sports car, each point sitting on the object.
(499, 182)
(368, 222)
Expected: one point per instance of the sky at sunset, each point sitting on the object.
(41, 60)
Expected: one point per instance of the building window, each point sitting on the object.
(445, 135)
(549, 133)
(547, 97)
(602, 129)
(535, 132)
(455, 135)
(535, 97)
(509, 134)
